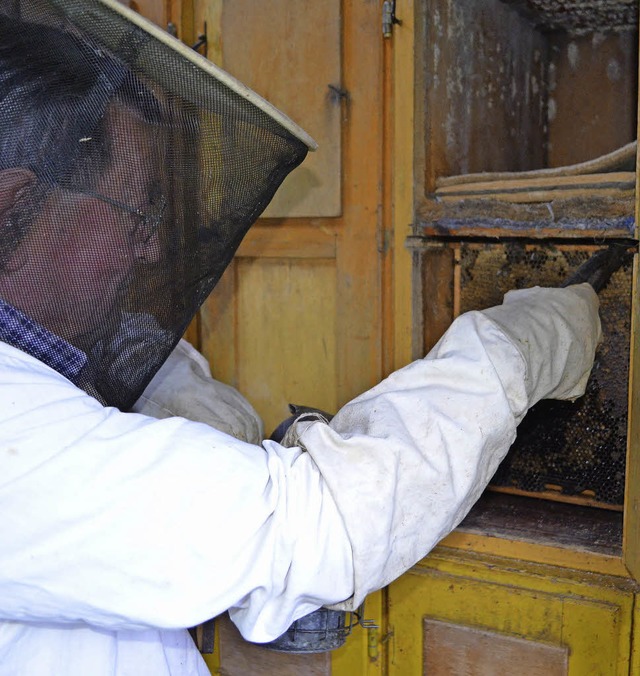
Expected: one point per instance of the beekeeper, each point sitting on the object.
(118, 529)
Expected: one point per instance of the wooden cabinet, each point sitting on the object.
(478, 616)
(518, 178)
(323, 299)
(521, 111)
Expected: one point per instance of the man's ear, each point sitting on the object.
(12, 181)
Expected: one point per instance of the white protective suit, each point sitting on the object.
(119, 530)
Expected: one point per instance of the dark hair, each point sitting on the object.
(55, 89)
(54, 93)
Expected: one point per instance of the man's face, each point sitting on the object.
(75, 263)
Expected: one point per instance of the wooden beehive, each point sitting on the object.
(529, 159)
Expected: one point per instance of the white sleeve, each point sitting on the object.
(407, 460)
(123, 522)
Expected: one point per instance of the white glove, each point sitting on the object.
(184, 387)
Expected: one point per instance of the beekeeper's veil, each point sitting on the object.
(130, 170)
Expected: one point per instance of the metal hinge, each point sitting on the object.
(201, 40)
(389, 18)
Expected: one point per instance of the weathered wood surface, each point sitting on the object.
(452, 650)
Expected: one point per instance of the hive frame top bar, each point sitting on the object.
(208, 67)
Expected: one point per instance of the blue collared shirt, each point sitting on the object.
(19, 330)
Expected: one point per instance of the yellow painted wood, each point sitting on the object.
(358, 258)
(288, 51)
(209, 14)
(364, 652)
(591, 615)
(289, 241)
(537, 553)
(286, 352)
(402, 172)
(631, 534)
(635, 641)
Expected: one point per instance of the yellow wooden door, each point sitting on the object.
(455, 615)
(297, 318)
(305, 312)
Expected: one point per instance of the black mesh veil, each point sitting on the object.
(130, 170)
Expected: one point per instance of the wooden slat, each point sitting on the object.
(437, 267)
(620, 159)
(450, 650)
(304, 241)
(620, 184)
(582, 217)
(631, 537)
(584, 182)
(240, 658)
(530, 196)
(401, 168)
(359, 353)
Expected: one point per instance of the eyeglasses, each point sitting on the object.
(148, 221)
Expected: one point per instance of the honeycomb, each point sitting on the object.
(578, 17)
(570, 448)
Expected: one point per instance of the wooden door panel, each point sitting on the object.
(288, 51)
(352, 245)
(585, 617)
(289, 342)
(451, 649)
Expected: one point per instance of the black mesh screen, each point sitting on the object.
(565, 449)
(133, 174)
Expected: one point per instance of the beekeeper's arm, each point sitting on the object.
(406, 461)
(122, 521)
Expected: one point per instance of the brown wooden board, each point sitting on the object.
(548, 523)
(452, 650)
(485, 86)
(584, 217)
(592, 100)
